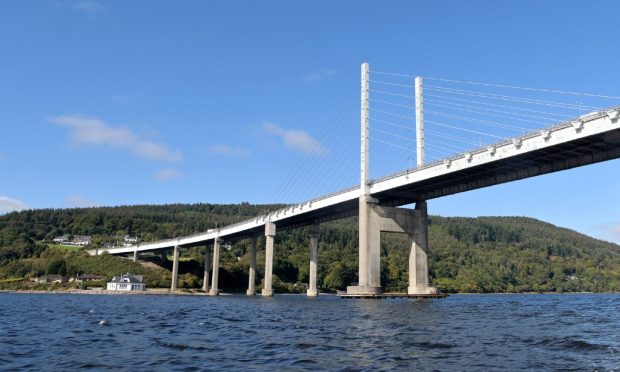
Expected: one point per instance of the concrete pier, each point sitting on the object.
(369, 250)
(175, 268)
(418, 260)
(394, 295)
(216, 267)
(270, 233)
(205, 280)
(314, 254)
(135, 254)
(252, 273)
(375, 219)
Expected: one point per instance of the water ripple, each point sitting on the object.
(467, 332)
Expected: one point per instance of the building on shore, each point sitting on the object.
(79, 240)
(58, 279)
(86, 278)
(128, 240)
(127, 282)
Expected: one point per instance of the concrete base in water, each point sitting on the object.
(393, 295)
(357, 290)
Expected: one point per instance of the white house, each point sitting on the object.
(61, 239)
(127, 282)
(81, 240)
(130, 239)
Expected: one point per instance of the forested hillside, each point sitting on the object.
(487, 254)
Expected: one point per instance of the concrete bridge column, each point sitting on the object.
(314, 254)
(252, 274)
(270, 233)
(418, 260)
(175, 268)
(205, 280)
(369, 250)
(135, 254)
(376, 219)
(216, 267)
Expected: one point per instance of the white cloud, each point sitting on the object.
(9, 204)
(167, 174)
(93, 131)
(321, 74)
(89, 6)
(226, 150)
(296, 139)
(78, 201)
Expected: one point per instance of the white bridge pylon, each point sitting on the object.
(578, 141)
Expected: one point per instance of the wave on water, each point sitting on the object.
(543, 332)
(574, 343)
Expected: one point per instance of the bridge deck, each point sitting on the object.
(589, 139)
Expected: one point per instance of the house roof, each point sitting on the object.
(90, 276)
(127, 278)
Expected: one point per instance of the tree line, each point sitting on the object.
(485, 254)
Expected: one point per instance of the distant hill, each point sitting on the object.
(486, 254)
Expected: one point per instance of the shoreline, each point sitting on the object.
(168, 292)
(148, 292)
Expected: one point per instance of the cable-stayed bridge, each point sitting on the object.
(471, 138)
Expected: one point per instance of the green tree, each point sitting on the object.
(57, 267)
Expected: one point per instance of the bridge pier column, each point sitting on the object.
(175, 268)
(135, 255)
(205, 280)
(418, 260)
(252, 273)
(377, 219)
(314, 254)
(369, 250)
(270, 233)
(216, 267)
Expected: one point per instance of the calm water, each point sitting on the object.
(287, 332)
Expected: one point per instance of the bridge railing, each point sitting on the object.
(308, 202)
(532, 134)
(535, 133)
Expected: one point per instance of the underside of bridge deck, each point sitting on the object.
(590, 150)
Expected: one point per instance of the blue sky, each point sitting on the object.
(155, 102)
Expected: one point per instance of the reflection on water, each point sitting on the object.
(464, 332)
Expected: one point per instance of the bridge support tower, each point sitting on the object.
(270, 233)
(418, 255)
(205, 279)
(375, 219)
(314, 255)
(175, 268)
(252, 273)
(216, 267)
